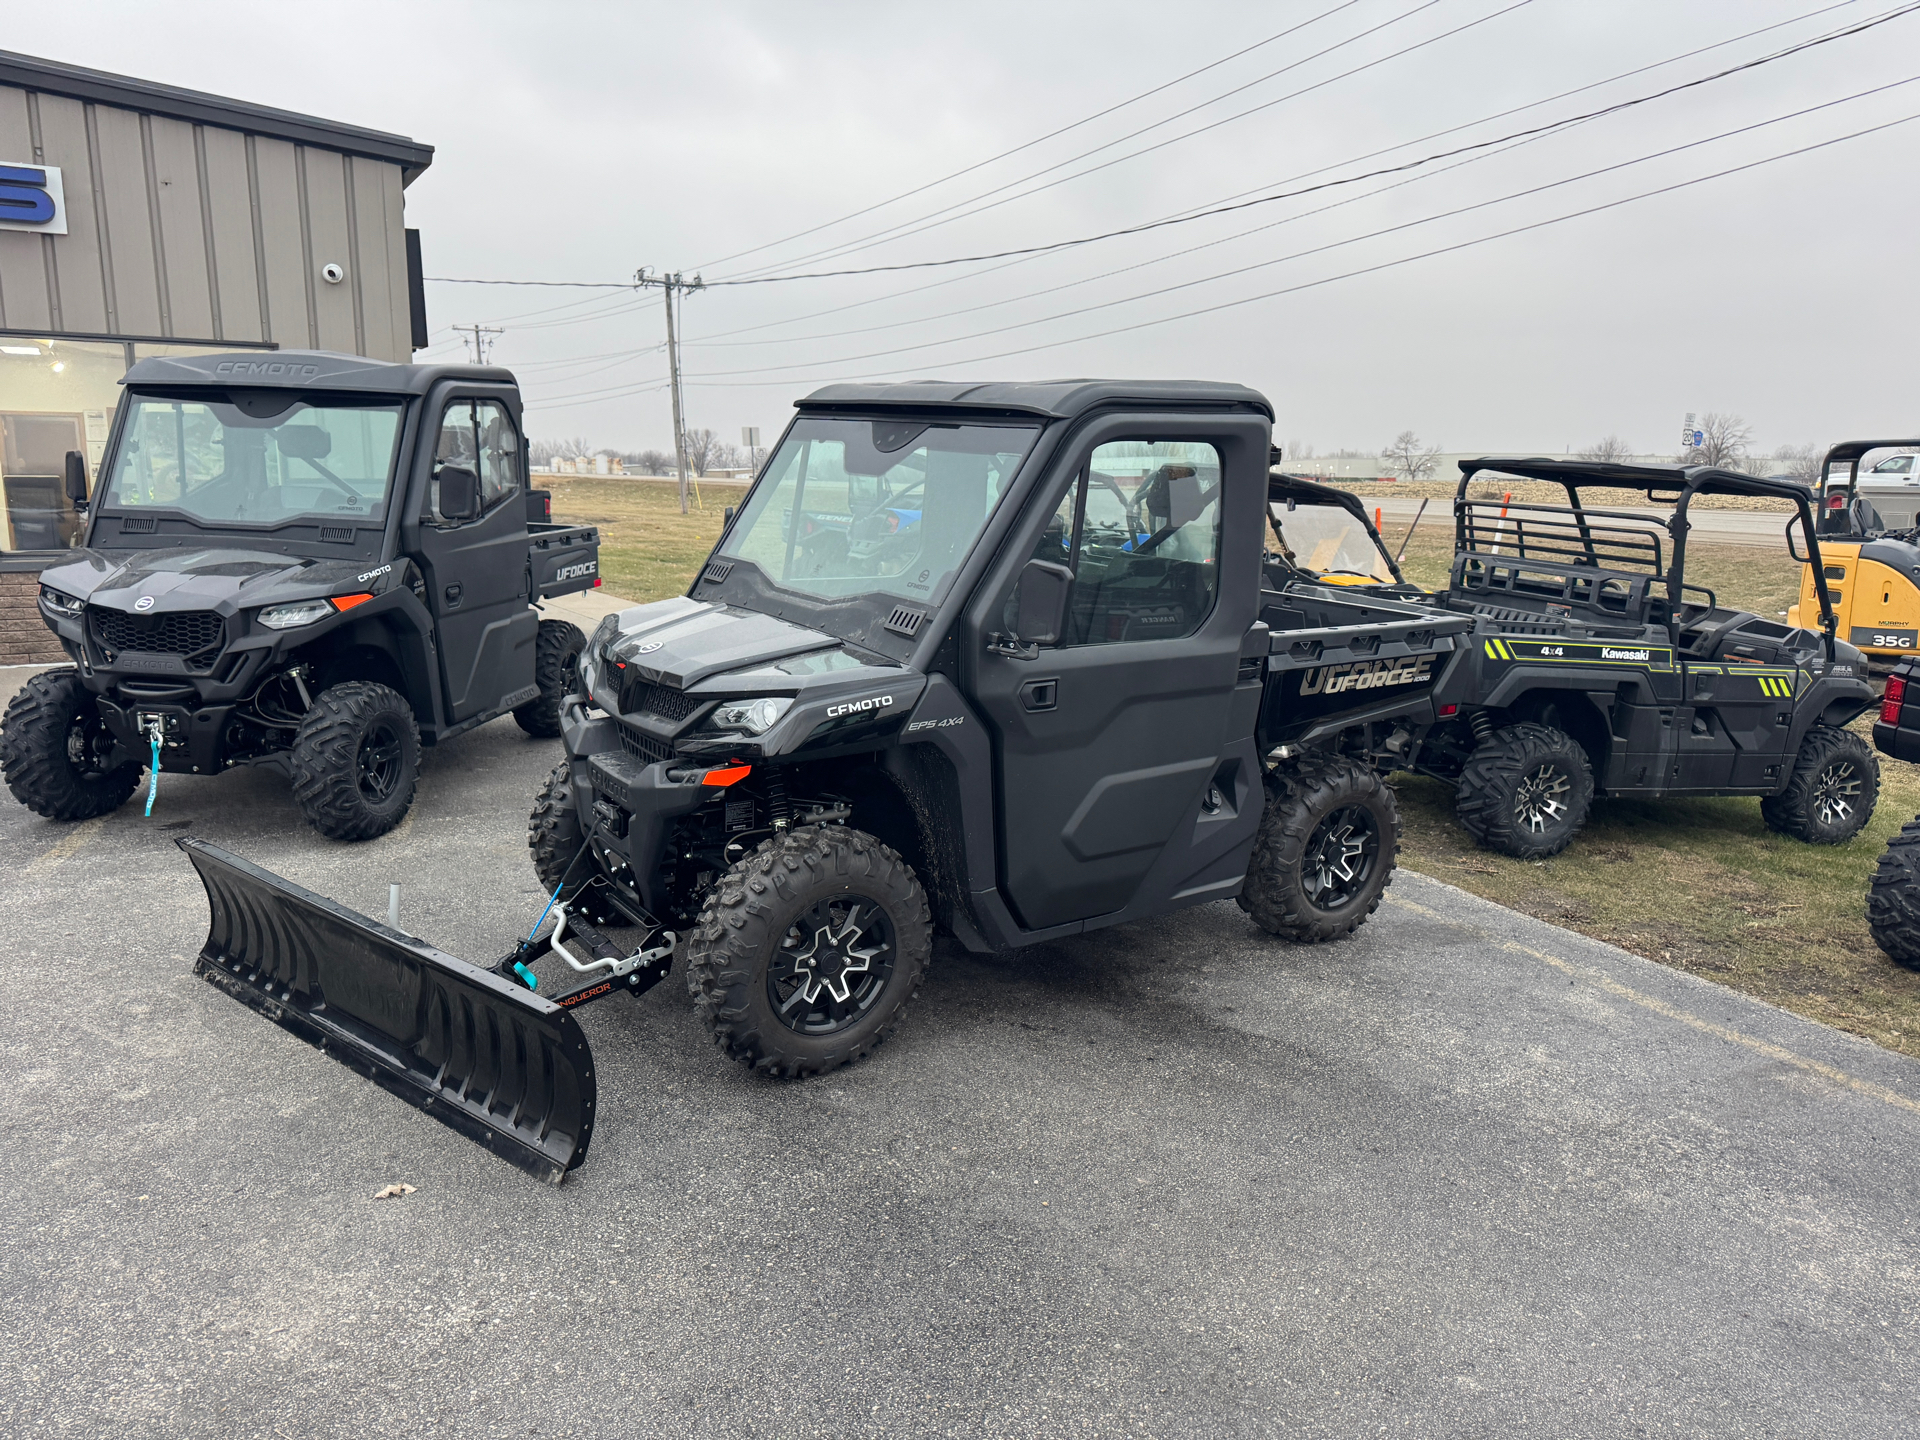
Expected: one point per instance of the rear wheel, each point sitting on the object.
(356, 760)
(807, 953)
(1525, 791)
(56, 751)
(1892, 899)
(1325, 850)
(1831, 792)
(556, 671)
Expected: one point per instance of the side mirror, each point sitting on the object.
(77, 479)
(1040, 611)
(459, 493)
(1040, 601)
(1186, 499)
(727, 518)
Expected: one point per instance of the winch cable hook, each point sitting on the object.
(153, 771)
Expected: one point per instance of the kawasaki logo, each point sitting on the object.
(1368, 674)
(1610, 653)
(852, 707)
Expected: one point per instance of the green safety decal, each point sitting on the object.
(1568, 652)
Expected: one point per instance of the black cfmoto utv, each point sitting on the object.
(1058, 685)
(313, 562)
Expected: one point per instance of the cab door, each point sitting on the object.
(1121, 781)
(477, 568)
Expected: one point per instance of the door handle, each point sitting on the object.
(453, 593)
(1040, 695)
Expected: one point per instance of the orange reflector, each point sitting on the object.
(348, 602)
(725, 776)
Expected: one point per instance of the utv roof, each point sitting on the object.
(305, 369)
(1054, 399)
(1692, 479)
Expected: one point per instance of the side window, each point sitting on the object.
(1147, 562)
(478, 435)
(499, 453)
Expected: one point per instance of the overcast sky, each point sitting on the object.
(581, 141)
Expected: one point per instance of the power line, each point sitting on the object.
(934, 219)
(1303, 175)
(1371, 269)
(1330, 184)
(1039, 140)
(1332, 245)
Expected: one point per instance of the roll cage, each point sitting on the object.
(1598, 554)
(1850, 453)
(1282, 487)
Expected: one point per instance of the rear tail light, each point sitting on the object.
(1891, 699)
(1837, 501)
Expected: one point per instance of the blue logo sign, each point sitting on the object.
(31, 198)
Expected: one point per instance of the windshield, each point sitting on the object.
(1328, 540)
(211, 460)
(846, 507)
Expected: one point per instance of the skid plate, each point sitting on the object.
(504, 1066)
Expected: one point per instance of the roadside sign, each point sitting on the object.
(750, 436)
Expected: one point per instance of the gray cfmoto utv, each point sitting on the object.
(1005, 660)
(311, 562)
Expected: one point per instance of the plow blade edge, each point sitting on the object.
(496, 1062)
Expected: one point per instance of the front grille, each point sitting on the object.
(663, 701)
(644, 748)
(193, 634)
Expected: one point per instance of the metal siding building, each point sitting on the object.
(187, 221)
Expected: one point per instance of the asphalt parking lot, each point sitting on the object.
(1464, 1173)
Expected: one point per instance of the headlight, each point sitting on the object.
(60, 602)
(752, 716)
(302, 612)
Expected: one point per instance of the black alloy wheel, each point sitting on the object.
(833, 964)
(1542, 799)
(1341, 856)
(379, 761)
(1831, 791)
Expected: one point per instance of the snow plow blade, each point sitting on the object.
(507, 1068)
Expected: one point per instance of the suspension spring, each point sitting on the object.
(1483, 727)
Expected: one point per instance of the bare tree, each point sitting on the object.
(650, 462)
(545, 452)
(1408, 456)
(1798, 462)
(701, 445)
(1609, 448)
(1724, 441)
(1299, 450)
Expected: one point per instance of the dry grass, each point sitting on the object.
(1698, 884)
(648, 549)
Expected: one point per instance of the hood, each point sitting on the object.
(681, 642)
(206, 578)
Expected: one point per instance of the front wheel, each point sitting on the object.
(356, 760)
(556, 838)
(808, 951)
(1325, 850)
(1831, 792)
(557, 651)
(1892, 901)
(57, 753)
(1525, 791)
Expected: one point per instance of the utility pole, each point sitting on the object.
(479, 340)
(670, 285)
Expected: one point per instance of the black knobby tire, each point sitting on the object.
(356, 760)
(1831, 791)
(1892, 899)
(1525, 791)
(556, 671)
(1325, 851)
(806, 954)
(54, 751)
(555, 835)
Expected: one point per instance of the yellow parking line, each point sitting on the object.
(61, 849)
(1686, 1018)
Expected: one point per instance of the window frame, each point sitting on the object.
(431, 515)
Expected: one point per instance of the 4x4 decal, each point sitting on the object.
(1570, 652)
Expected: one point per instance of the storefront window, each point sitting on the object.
(55, 396)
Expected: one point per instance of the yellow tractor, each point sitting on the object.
(1869, 563)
